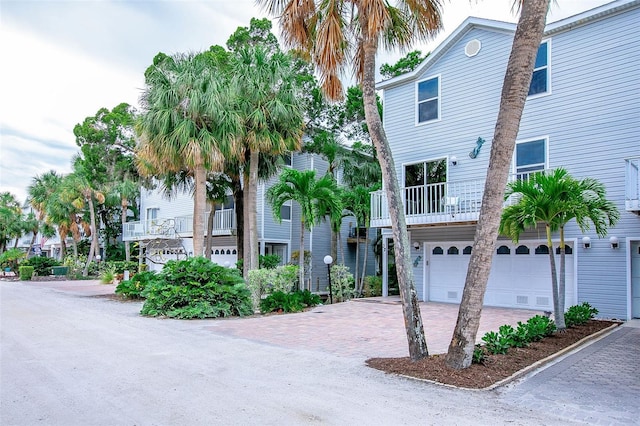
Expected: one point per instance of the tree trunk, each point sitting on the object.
(33, 240)
(514, 94)
(301, 256)
(410, 308)
(254, 158)
(246, 231)
(94, 235)
(210, 218)
(123, 217)
(357, 271)
(199, 208)
(238, 202)
(560, 324)
(364, 261)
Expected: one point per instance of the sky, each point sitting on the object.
(64, 60)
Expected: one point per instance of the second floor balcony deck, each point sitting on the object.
(177, 227)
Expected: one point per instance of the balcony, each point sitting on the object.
(440, 203)
(632, 185)
(177, 227)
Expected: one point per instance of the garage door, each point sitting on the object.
(520, 274)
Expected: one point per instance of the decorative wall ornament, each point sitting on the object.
(475, 151)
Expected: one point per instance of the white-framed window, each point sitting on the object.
(428, 100)
(541, 79)
(285, 211)
(530, 156)
(152, 213)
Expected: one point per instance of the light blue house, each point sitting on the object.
(166, 230)
(582, 113)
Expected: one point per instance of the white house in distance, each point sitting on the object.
(582, 114)
(166, 230)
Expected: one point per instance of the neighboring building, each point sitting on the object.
(582, 114)
(166, 231)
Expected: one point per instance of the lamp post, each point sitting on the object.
(98, 258)
(328, 260)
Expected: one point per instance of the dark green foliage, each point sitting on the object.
(269, 261)
(539, 327)
(11, 258)
(372, 286)
(495, 343)
(134, 287)
(26, 272)
(42, 265)
(289, 302)
(579, 314)
(196, 288)
(479, 355)
(407, 63)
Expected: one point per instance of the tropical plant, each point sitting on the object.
(26, 272)
(342, 283)
(42, 265)
(265, 281)
(289, 302)
(554, 199)
(315, 197)
(133, 288)
(10, 219)
(188, 122)
(514, 94)
(196, 288)
(11, 258)
(329, 32)
(406, 64)
(579, 314)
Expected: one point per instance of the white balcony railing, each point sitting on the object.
(177, 227)
(430, 204)
(632, 184)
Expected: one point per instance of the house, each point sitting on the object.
(166, 231)
(582, 113)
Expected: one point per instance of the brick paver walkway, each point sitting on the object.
(363, 328)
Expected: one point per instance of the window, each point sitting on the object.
(288, 160)
(152, 215)
(522, 250)
(428, 98)
(437, 250)
(531, 156)
(503, 250)
(540, 79)
(467, 250)
(453, 250)
(542, 249)
(424, 186)
(285, 212)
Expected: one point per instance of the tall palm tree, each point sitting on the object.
(272, 117)
(187, 123)
(315, 197)
(514, 94)
(127, 190)
(10, 219)
(336, 33)
(554, 199)
(40, 194)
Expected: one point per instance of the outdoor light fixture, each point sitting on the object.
(614, 242)
(328, 260)
(586, 242)
(454, 160)
(416, 245)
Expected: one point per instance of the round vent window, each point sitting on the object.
(472, 48)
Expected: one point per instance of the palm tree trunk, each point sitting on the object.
(207, 250)
(238, 201)
(123, 218)
(253, 212)
(557, 312)
(301, 257)
(514, 94)
(410, 308)
(246, 256)
(199, 208)
(364, 262)
(33, 239)
(94, 235)
(357, 271)
(560, 324)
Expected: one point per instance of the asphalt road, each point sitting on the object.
(73, 360)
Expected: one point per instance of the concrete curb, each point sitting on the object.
(537, 366)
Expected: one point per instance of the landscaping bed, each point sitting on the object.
(495, 367)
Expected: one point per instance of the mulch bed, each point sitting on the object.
(495, 367)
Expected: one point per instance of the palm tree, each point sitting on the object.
(271, 112)
(514, 94)
(127, 190)
(331, 30)
(187, 123)
(10, 219)
(315, 197)
(40, 194)
(554, 199)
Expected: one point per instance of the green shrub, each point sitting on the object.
(263, 282)
(579, 314)
(269, 261)
(539, 327)
(75, 266)
(288, 302)
(26, 272)
(41, 265)
(196, 288)
(134, 287)
(372, 286)
(119, 266)
(11, 258)
(108, 274)
(479, 355)
(342, 283)
(495, 343)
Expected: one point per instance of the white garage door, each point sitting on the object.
(520, 274)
